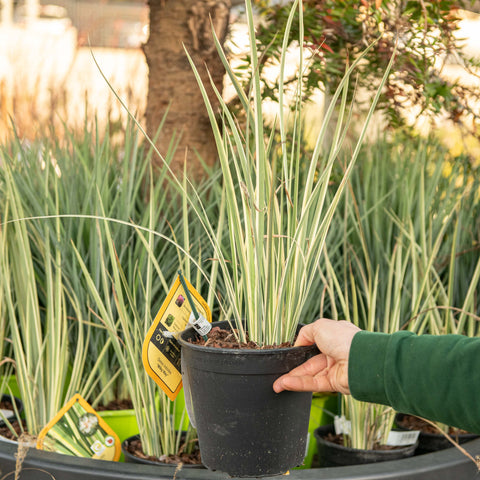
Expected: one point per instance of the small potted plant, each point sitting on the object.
(363, 431)
(278, 206)
(402, 263)
(163, 437)
(452, 280)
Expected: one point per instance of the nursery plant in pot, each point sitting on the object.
(156, 439)
(37, 311)
(58, 347)
(452, 307)
(408, 287)
(373, 280)
(162, 424)
(363, 431)
(279, 206)
(49, 298)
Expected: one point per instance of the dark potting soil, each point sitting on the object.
(135, 448)
(125, 404)
(410, 422)
(6, 405)
(6, 432)
(220, 338)
(338, 439)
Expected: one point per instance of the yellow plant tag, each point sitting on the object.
(78, 430)
(161, 352)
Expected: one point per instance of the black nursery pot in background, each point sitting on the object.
(244, 428)
(12, 413)
(130, 458)
(331, 454)
(433, 442)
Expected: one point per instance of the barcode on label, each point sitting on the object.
(201, 324)
(401, 438)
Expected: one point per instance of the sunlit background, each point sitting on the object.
(48, 74)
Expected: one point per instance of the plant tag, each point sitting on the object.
(78, 430)
(200, 324)
(342, 425)
(400, 438)
(7, 415)
(161, 353)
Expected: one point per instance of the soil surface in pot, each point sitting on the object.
(338, 439)
(6, 405)
(125, 404)
(221, 338)
(410, 422)
(5, 431)
(135, 448)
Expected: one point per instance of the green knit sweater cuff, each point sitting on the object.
(366, 365)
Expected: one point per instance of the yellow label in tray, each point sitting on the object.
(78, 430)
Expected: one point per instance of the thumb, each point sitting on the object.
(305, 336)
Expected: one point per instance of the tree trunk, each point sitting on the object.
(172, 85)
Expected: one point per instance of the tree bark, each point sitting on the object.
(172, 85)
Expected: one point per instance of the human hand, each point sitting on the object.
(328, 371)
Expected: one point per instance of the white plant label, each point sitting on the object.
(8, 414)
(395, 438)
(342, 425)
(398, 438)
(201, 325)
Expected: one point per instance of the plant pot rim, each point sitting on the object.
(146, 461)
(386, 452)
(277, 361)
(436, 434)
(237, 351)
(116, 413)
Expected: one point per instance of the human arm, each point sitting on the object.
(435, 377)
(431, 376)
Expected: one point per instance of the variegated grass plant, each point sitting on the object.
(445, 308)
(391, 265)
(129, 318)
(278, 206)
(40, 327)
(359, 289)
(56, 267)
(75, 178)
(447, 265)
(278, 216)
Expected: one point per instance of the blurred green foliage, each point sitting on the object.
(336, 32)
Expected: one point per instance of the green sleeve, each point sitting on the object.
(435, 377)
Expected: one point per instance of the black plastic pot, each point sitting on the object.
(433, 442)
(244, 428)
(129, 458)
(331, 454)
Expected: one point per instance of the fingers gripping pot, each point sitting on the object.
(244, 428)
